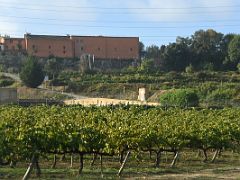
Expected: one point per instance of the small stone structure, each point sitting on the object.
(8, 96)
(142, 94)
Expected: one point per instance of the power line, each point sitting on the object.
(127, 27)
(146, 36)
(117, 22)
(118, 13)
(130, 8)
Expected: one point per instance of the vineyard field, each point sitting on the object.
(120, 138)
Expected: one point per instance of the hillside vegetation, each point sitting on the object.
(206, 62)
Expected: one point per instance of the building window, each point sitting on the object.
(13, 47)
(33, 46)
(131, 49)
(64, 47)
(99, 49)
(115, 49)
(64, 52)
(49, 47)
(6, 47)
(81, 48)
(11, 41)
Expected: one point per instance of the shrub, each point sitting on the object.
(189, 69)
(32, 73)
(221, 94)
(221, 97)
(238, 67)
(180, 98)
(173, 75)
(205, 88)
(147, 66)
(6, 82)
(208, 67)
(203, 76)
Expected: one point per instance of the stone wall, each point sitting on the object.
(8, 95)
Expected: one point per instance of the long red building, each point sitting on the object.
(101, 47)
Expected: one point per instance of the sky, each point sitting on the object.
(155, 22)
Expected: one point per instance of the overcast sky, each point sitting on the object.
(154, 21)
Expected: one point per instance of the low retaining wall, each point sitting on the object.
(8, 96)
(106, 102)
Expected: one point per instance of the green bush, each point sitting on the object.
(179, 98)
(6, 82)
(189, 69)
(221, 96)
(238, 67)
(32, 74)
(173, 75)
(203, 76)
(208, 67)
(206, 88)
(147, 66)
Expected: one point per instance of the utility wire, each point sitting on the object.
(126, 8)
(117, 22)
(126, 27)
(117, 13)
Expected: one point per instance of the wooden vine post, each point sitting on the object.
(124, 163)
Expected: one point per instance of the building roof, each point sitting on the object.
(70, 36)
(104, 36)
(31, 36)
(10, 38)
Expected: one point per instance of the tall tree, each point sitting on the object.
(234, 51)
(226, 41)
(227, 64)
(52, 67)
(141, 50)
(207, 48)
(152, 52)
(32, 74)
(176, 56)
(147, 66)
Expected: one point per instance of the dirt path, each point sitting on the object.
(218, 173)
(106, 101)
(16, 78)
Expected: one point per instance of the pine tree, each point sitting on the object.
(32, 74)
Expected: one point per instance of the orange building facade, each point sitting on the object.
(12, 44)
(45, 46)
(106, 47)
(99, 47)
